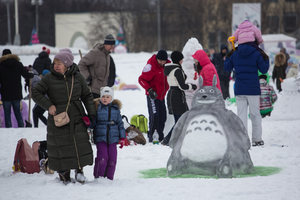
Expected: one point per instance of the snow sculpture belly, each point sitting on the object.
(205, 139)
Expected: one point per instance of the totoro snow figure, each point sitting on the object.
(209, 139)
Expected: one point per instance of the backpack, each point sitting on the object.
(26, 157)
(43, 157)
(133, 133)
(140, 122)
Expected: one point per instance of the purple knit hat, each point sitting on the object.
(65, 56)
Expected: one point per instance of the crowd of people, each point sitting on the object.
(85, 90)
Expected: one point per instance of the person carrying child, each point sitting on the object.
(246, 61)
(108, 132)
(268, 96)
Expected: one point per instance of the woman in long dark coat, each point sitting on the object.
(68, 145)
(176, 97)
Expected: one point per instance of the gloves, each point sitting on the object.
(264, 55)
(152, 93)
(123, 142)
(86, 121)
(194, 87)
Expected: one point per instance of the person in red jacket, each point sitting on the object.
(155, 83)
(205, 68)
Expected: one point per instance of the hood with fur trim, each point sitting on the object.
(9, 56)
(280, 59)
(115, 102)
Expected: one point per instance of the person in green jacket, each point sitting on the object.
(68, 145)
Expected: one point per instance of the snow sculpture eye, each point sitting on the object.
(211, 90)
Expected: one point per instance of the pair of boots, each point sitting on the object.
(64, 176)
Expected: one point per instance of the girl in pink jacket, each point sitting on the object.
(205, 68)
(247, 32)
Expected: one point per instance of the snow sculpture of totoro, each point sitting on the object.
(209, 139)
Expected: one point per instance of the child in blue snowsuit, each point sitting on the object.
(108, 132)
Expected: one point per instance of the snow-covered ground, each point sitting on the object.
(282, 128)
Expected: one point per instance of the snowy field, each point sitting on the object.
(281, 129)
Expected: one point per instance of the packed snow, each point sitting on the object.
(281, 133)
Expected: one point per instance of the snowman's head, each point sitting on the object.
(207, 94)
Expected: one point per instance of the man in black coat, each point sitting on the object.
(218, 61)
(42, 62)
(11, 70)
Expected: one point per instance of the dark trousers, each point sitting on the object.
(7, 113)
(157, 117)
(225, 88)
(278, 85)
(168, 137)
(38, 113)
(106, 160)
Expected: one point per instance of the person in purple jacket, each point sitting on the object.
(108, 132)
(246, 61)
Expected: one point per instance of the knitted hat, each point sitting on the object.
(107, 91)
(162, 55)
(110, 40)
(65, 56)
(6, 52)
(176, 56)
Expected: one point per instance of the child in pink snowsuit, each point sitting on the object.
(247, 32)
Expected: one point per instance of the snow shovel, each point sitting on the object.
(28, 123)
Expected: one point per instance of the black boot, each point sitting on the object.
(64, 176)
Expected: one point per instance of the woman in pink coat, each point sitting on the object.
(205, 68)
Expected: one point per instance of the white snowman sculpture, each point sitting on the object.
(209, 139)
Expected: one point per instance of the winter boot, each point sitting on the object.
(79, 176)
(64, 176)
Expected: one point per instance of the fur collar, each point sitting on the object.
(9, 56)
(115, 102)
(280, 59)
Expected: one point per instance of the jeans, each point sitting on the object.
(7, 113)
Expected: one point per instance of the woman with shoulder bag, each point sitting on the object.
(67, 139)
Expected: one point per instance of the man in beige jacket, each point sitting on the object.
(94, 66)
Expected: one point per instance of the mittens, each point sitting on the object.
(122, 143)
